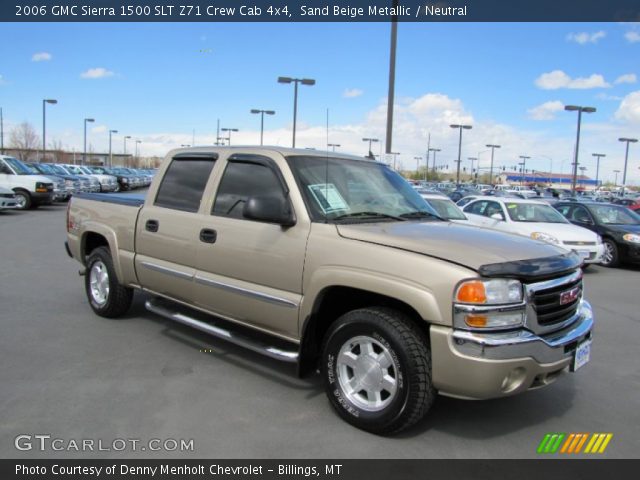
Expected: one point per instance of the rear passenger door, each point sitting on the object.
(250, 271)
(168, 229)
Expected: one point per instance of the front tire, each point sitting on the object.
(23, 200)
(107, 297)
(610, 258)
(377, 370)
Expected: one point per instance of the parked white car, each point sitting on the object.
(30, 190)
(8, 199)
(445, 207)
(537, 220)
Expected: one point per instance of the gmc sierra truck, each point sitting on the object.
(334, 262)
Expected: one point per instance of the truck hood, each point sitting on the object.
(466, 245)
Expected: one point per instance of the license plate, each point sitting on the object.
(582, 355)
(584, 253)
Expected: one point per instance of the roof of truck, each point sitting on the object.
(256, 149)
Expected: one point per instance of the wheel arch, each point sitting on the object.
(333, 302)
(97, 237)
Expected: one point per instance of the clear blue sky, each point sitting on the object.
(160, 82)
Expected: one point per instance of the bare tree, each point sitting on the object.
(24, 140)
(56, 151)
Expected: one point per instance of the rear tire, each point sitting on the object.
(107, 297)
(377, 370)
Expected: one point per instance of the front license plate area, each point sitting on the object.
(581, 356)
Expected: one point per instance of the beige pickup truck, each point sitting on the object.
(334, 262)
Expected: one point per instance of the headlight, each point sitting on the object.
(489, 304)
(545, 237)
(631, 237)
(489, 292)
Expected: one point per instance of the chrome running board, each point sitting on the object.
(238, 339)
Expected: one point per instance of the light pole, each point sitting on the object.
(524, 165)
(138, 142)
(598, 157)
(295, 81)
(395, 154)
(472, 159)
(84, 154)
(370, 140)
(460, 127)
(573, 108)
(435, 151)
(626, 158)
(616, 181)
(110, 154)
(417, 159)
(125, 149)
(492, 147)
(262, 112)
(1, 133)
(229, 130)
(333, 145)
(52, 101)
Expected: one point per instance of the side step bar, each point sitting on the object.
(233, 337)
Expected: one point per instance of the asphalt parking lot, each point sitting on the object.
(71, 374)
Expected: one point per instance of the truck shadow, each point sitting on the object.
(219, 350)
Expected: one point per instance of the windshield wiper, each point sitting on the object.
(348, 216)
(421, 214)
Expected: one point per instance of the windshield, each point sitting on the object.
(45, 168)
(19, 167)
(446, 209)
(73, 169)
(340, 189)
(99, 170)
(59, 170)
(533, 212)
(612, 215)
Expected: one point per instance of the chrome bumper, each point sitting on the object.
(523, 343)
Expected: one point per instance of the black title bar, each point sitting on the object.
(320, 11)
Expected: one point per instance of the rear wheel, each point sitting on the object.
(107, 297)
(610, 258)
(377, 370)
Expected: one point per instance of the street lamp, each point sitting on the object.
(262, 112)
(417, 159)
(295, 81)
(472, 159)
(524, 165)
(573, 108)
(598, 157)
(52, 101)
(434, 150)
(492, 147)
(84, 155)
(110, 154)
(333, 145)
(395, 154)
(370, 140)
(460, 127)
(626, 157)
(229, 130)
(125, 148)
(138, 142)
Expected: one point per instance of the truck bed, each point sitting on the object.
(132, 200)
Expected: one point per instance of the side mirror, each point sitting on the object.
(270, 209)
(497, 216)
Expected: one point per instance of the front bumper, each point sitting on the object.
(488, 365)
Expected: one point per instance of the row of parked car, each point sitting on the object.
(600, 232)
(25, 185)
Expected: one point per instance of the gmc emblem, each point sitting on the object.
(569, 296)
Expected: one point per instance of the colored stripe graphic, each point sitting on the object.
(573, 443)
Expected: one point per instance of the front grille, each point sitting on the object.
(555, 302)
(578, 244)
(7, 195)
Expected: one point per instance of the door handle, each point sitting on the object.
(208, 236)
(152, 225)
